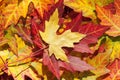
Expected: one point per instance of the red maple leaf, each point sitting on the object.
(93, 32)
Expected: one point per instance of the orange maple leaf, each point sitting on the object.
(108, 18)
(11, 13)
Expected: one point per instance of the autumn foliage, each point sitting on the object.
(59, 40)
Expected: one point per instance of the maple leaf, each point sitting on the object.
(115, 53)
(3, 60)
(114, 68)
(23, 51)
(75, 65)
(39, 24)
(108, 18)
(103, 3)
(65, 65)
(92, 31)
(100, 61)
(10, 37)
(2, 39)
(86, 6)
(114, 45)
(56, 42)
(79, 65)
(19, 72)
(3, 3)
(11, 41)
(39, 69)
(17, 69)
(36, 25)
(14, 11)
(52, 64)
(19, 65)
(24, 31)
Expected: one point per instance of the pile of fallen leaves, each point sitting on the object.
(60, 40)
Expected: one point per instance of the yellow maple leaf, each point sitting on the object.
(115, 53)
(3, 59)
(56, 42)
(39, 68)
(103, 3)
(93, 77)
(19, 65)
(86, 6)
(99, 62)
(19, 72)
(23, 55)
(114, 46)
(13, 11)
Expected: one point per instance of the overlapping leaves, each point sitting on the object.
(60, 39)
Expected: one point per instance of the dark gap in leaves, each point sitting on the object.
(4, 76)
(75, 53)
(41, 77)
(84, 56)
(5, 32)
(102, 47)
(102, 77)
(6, 4)
(85, 74)
(114, 39)
(36, 51)
(68, 12)
(95, 54)
(4, 47)
(67, 75)
(27, 78)
(98, 51)
(86, 19)
(22, 20)
(49, 74)
(97, 19)
(67, 50)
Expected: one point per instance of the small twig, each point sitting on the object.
(39, 51)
